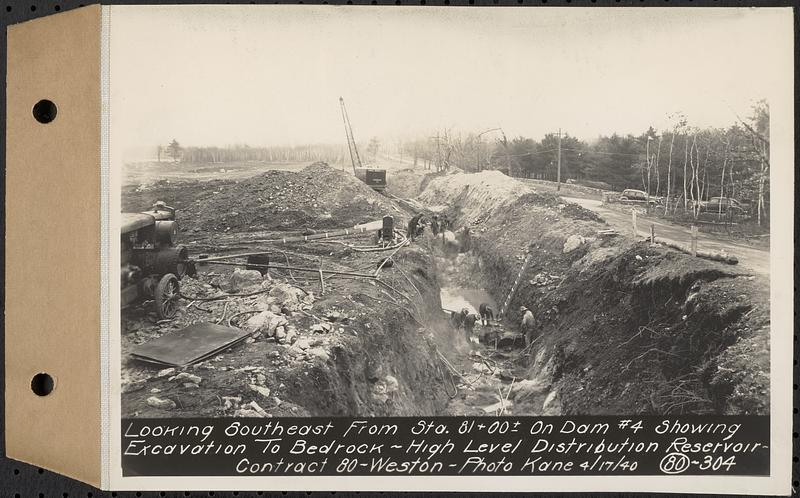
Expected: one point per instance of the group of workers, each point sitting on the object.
(466, 320)
(439, 225)
(416, 225)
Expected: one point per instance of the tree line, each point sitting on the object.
(684, 165)
(333, 154)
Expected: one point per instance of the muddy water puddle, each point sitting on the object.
(458, 298)
(488, 375)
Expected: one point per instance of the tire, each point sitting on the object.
(166, 296)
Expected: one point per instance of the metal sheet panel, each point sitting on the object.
(189, 345)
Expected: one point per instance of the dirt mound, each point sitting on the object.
(318, 196)
(480, 196)
(405, 183)
(475, 195)
(568, 209)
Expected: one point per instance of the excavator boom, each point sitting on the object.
(355, 159)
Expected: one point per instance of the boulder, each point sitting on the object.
(319, 353)
(247, 413)
(573, 242)
(290, 297)
(163, 404)
(333, 315)
(133, 386)
(391, 384)
(291, 334)
(321, 328)
(265, 323)
(245, 280)
(552, 405)
(527, 388)
(303, 344)
(186, 377)
(165, 373)
(231, 401)
(263, 391)
(256, 408)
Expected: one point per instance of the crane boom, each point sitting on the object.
(351, 141)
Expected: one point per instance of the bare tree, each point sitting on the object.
(693, 181)
(658, 156)
(685, 177)
(669, 171)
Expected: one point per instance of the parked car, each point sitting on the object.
(630, 195)
(724, 205)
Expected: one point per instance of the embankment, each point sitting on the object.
(623, 327)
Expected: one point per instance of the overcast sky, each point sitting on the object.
(272, 75)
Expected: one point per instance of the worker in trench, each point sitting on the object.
(435, 225)
(456, 319)
(466, 239)
(444, 225)
(528, 325)
(415, 226)
(487, 314)
(468, 322)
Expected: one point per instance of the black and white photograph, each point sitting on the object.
(552, 213)
(402, 248)
(361, 243)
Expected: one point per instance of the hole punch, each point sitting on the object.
(45, 111)
(42, 384)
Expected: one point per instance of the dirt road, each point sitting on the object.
(756, 260)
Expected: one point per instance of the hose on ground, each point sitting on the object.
(224, 296)
(249, 312)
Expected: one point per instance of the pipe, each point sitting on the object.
(399, 246)
(230, 256)
(315, 270)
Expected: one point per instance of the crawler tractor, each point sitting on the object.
(152, 262)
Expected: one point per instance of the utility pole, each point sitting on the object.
(558, 171)
(508, 157)
(438, 154)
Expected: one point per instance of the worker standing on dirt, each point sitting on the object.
(435, 225)
(528, 325)
(468, 321)
(413, 226)
(487, 313)
(466, 240)
(455, 319)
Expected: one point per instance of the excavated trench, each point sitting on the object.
(489, 368)
(622, 326)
